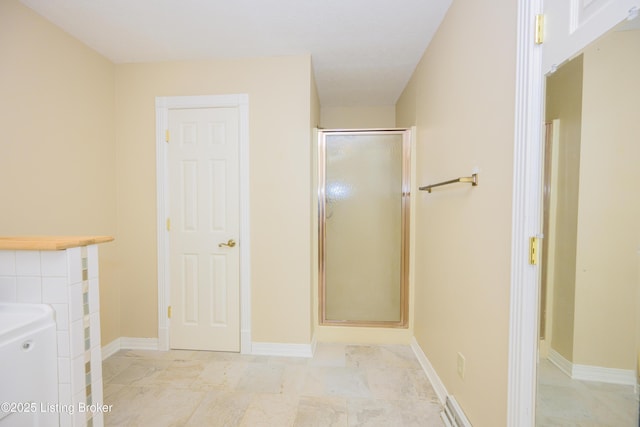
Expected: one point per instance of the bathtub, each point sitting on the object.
(28, 366)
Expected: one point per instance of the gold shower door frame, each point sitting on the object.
(404, 229)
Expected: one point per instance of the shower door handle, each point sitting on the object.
(231, 243)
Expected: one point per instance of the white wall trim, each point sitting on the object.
(246, 345)
(314, 344)
(126, 343)
(526, 220)
(259, 348)
(593, 373)
(163, 105)
(282, 349)
(560, 361)
(604, 375)
(527, 198)
(139, 343)
(453, 411)
(450, 412)
(110, 349)
(432, 375)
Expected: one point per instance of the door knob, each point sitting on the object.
(231, 243)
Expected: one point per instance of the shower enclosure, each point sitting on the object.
(363, 204)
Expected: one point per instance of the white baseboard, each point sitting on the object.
(163, 338)
(436, 382)
(563, 364)
(445, 420)
(110, 349)
(453, 415)
(593, 373)
(314, 345)
(245, 341)
(139, 343)
(256, 348)
(604, 375)
(282, 349)
(127, 343)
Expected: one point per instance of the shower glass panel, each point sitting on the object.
(364, 206)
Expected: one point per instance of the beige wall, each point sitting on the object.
(609, 208)
(406, 110)
(80, 147)
(280, 116)
(358, 117)
(564, 102)
(461, 98)
(57, 155)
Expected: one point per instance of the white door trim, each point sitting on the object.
(526, 219)
(163, 105)
(527, 206)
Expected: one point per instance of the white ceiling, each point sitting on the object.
(363, 51)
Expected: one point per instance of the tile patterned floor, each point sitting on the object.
(342, 385)
(562, 401)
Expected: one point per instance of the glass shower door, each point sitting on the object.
(364, 206)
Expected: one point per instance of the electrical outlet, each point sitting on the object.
(461, 362)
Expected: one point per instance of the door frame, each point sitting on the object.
(526, 219)
(527, 209)
(163, 105)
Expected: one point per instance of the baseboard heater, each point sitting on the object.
(452, 414)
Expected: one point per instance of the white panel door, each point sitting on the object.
(570, 25)
(204, 210)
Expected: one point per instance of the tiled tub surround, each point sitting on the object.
(67, 279)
